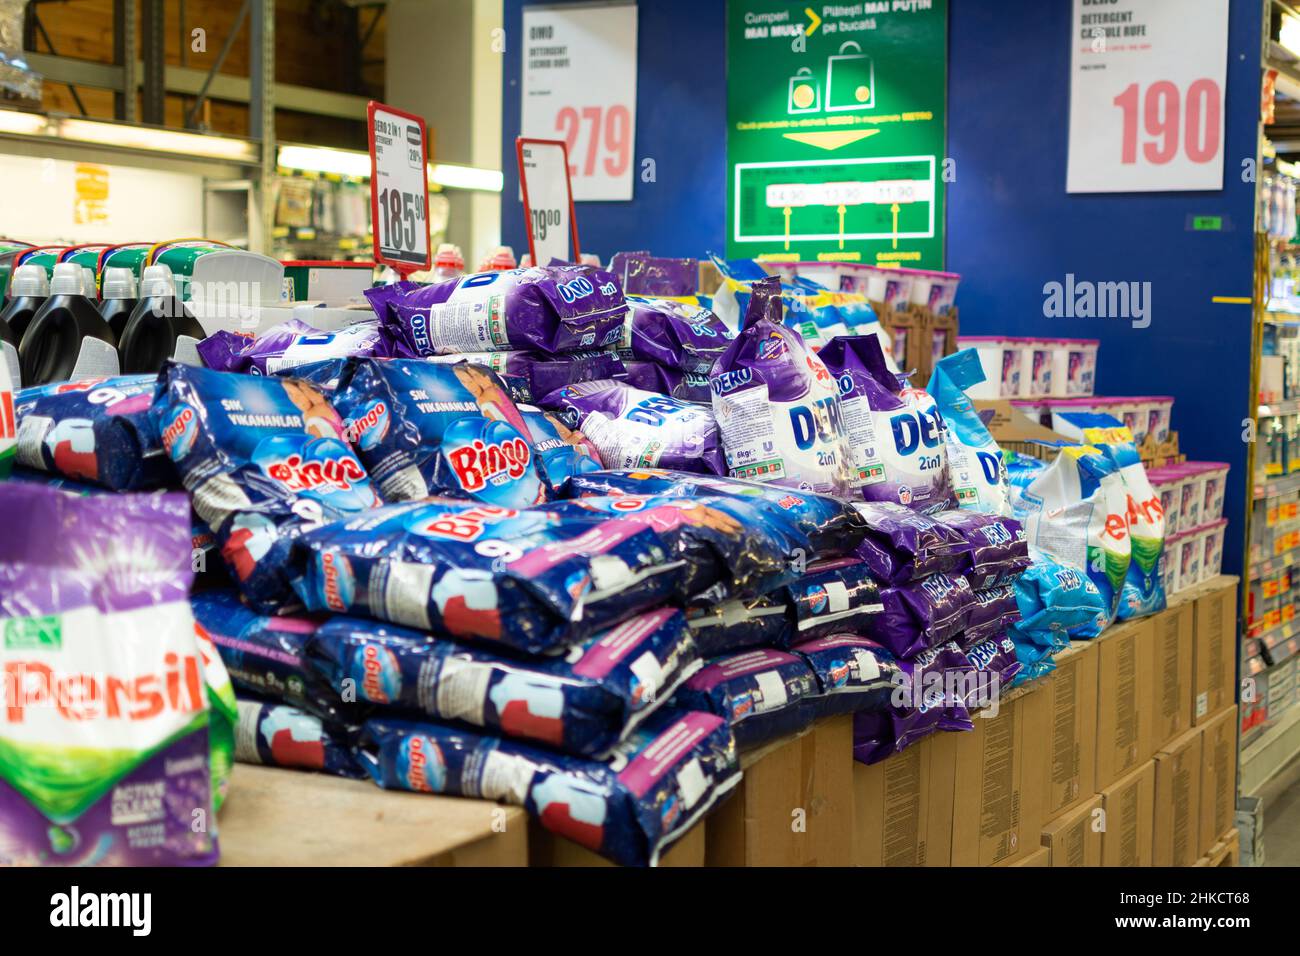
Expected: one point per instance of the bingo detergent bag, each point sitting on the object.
(976, 472)
(1077, 515)
(896, 433)
(777, 406)
(550, 308)
(104, 733)
(262, 458)
(423, 429)
(564, 451)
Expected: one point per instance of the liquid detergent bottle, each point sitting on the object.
(29, 287)
(119, 298)
(67, 335)
(158, 323)
(448, 263)
(501, 259)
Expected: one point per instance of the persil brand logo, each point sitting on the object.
(176, 688)
(465, 525)
(177, 428)
(730, 381)
(480, 464)
(297, 474)
(355, 429)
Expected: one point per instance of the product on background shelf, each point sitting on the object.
(119, 299)
(761, 693)
(977, 475)
(564, 451)
(107, 599)
(777, 406)
(292, 344)
(896, 433)
(262, 458)
(531, 376)
(1001, 358)
(448, 263)
(935, 291)
(640, 273)
(99, 430)
(634, 428)
(629, 809)
(551, 309)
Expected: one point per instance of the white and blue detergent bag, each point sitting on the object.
(976, 471)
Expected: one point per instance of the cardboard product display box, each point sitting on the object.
(1040, 857)
(1178, 808)
(1214, 652)
(1074, 838)
(998, 795)
(1172, 671)
(1218, 777)
(794, 805)
(547, 849)
(1128, 821)
(903, 806)
(1071, 693)
(1124, 703)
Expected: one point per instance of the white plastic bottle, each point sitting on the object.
(448, 263)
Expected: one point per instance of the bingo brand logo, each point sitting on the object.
(176, 430)
(355, 429)
(465, 525)
(338, 577)
(479, 464)
(297, 474)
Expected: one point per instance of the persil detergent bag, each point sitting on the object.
(897, 434)
(582, 703)
(262, 458)
(1078, 517)
(532, 580)
(628, 808)
(559, 308)
(633, 428)
(98, 430)
(976, 472)
(291, 344)
(422, 429)
(1143, 592)
(104, 728)
(563, 451)
(777, 406)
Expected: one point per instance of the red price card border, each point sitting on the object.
(523, 186)
(403, 267)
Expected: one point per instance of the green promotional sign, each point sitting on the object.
(835, 130)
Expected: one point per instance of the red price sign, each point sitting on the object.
(598, 138)
(399, 188)
(1172, 119)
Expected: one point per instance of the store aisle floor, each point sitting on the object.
(1282, 817)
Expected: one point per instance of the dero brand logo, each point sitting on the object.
(729, 381)
(478, 464)
(299, 475)
(75, 909)
(913, 430)
(575, 289)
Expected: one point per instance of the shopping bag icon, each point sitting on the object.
(805, 92)
(850, 79)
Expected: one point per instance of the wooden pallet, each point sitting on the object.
(1226, 851)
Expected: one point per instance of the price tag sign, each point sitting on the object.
(1147, 79)
(548, 199)
(399, 188)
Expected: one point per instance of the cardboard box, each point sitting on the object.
(1074, 838)
(547, 849)
(1040, 857)
(794, 806)
(1128, 818)
(1178, 808)
(1124, 704)
(1015, 431)
(903, 806)
(1071, 693)
(1218, 777)
(1172, 672)
(1214, 652)
(998, 797)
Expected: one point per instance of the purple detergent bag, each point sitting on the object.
(903, 545)
(293, 343)
(997, 550)
(98, 430)
(927, 697)
(262, 458)
(992, 611)
(677, 335)
(279, 735)
(760, 693)
(530, 376)
(532, 580)
(556, 308)
(777, 406)
(923, 614)
(994, 667)
(422, 430)
(653, 377)
(629, 809)
(104, 742)
(853, 674)
(583, 703)
(643, 274)
(896, 433)
(636, 429)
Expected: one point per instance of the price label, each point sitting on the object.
(399, 188)
(1147, 82)
(544, 180)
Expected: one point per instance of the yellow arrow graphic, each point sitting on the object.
(894, 210)
(840, 210)
(815, 20)
(786, 212)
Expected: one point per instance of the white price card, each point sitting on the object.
(1147, 82)
(548, 200)
(399, 188)
(579, 85)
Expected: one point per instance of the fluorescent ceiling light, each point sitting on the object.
(317, 159)
(158, 140)
(466, 177)
(15, 121)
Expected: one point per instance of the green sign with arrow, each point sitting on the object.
(835, 131)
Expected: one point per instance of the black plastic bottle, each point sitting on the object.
(28, 289)
(49, 349)
(119, 299)
(157, 321)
